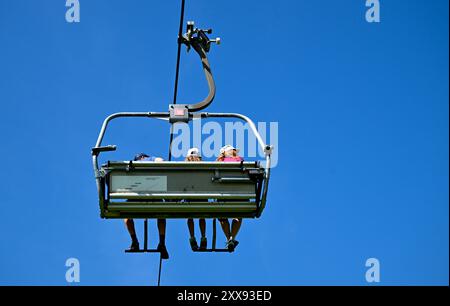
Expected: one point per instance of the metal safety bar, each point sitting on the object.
(98, 149)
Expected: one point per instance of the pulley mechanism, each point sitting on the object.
(197, 37)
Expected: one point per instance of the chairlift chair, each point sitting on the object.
(153, 190)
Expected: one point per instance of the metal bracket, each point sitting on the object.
(200, 38)
(268, 150)
(178, 113)
(129, 167)
(100, 173)
(96, 151)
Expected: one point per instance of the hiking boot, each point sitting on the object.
(134, 246)
(162, 249)
(232, 244)
(203, 243)
(193, 242)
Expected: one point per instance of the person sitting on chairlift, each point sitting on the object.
(193, 155)
(229, 153)
(161, 222)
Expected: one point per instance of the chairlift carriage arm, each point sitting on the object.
(209, 78)
(201, 44)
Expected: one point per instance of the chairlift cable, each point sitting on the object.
(160, 266)
(177, 73)
(175, 92)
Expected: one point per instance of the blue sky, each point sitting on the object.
(363, 137)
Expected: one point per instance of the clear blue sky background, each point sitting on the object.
(363, 137)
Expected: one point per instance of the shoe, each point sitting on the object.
(203, 243)
(162, 249)
(193, 242)
(232, 244)
(134, 246)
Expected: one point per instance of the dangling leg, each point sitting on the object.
(203, 240)
(162, 238)
(162, 231)
(232, 243)
(192, 240)
(225, 227)
(235, 226)
(190, 223)
(132, 231)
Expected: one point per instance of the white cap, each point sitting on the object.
(227, 148)
(193, 152)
